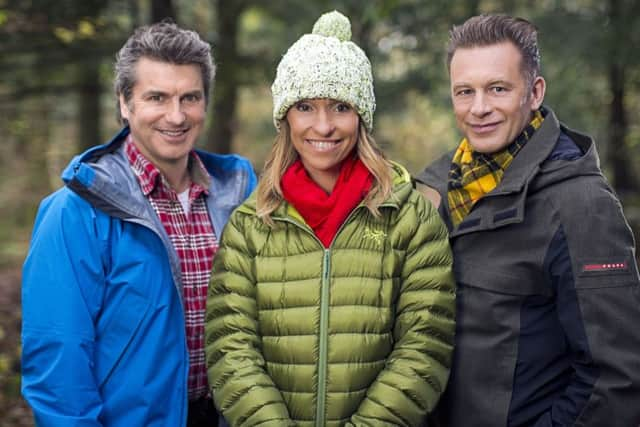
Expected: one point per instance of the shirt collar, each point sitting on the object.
(149, 175)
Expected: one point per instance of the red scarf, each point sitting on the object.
(323, 212)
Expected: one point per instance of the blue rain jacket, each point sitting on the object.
(103, 331)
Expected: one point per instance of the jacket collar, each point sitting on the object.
(102, 175)
(506, 203)
(149, 176)
(402, 187)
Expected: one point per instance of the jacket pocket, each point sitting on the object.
(114, 338)
(488, 302)
(517, 281)
(604, 272)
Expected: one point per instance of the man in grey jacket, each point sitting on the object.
(548, 290)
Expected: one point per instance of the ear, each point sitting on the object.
(537, 92)
(124, 108)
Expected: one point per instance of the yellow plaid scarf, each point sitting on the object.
(473, 174)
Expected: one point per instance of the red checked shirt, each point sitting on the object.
(195, 242)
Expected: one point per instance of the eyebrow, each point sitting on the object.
(152, 92)
(500, 82)
(194, 92)
(461, 85)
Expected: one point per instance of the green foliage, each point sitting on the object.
(418, 134)
(47, 44)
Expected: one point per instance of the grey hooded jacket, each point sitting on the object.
(548, 294)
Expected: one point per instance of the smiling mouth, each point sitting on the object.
(322, 145)
(484, 128)
(173, 132)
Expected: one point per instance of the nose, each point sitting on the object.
(323, 123)
(174, 114)
(480, 107)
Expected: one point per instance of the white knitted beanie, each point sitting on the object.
(325, 64)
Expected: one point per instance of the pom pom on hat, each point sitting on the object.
(333, 24)
(325, 64)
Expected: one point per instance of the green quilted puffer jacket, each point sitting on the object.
(359, 334)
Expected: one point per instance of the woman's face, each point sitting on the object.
(323, 132)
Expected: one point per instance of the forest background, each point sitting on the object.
(56, 96)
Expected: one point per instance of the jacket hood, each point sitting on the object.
(558, 167)
(102, 176)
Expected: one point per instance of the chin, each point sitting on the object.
(486, 147)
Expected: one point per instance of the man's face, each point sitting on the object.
(492, 100)
(166, 112)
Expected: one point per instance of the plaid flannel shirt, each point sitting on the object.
(194, 240)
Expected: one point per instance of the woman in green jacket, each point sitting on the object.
(332, 298)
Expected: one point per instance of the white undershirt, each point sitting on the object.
(184, 200)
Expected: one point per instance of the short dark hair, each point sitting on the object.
(163, 41)
(486, 30)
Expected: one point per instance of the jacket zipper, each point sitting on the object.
(324, 312)
(324, 321)
(324, 338)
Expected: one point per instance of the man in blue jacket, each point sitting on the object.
(115, 282)
(548, 295)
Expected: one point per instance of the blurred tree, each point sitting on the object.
(623, 23)
(62, 50)
(589, 75)
(68, 40)
(161, 9)
(89, 96)
(225, 97)
(249, 59)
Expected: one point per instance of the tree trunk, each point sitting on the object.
(161, 9)
(623, 178)
(225, 89)
(134, 12)
(34, 180)
(473, 7)
(89, 104)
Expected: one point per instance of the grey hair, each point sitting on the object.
(486, 30)
(166, 42)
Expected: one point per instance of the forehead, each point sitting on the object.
(322, 101)
(152, 74)
(501, 61)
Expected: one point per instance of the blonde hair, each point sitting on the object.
(283, 154)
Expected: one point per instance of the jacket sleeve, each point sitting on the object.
(252, 181)
(594, 270)
(61, 288)
(417, 368)
(242, 389)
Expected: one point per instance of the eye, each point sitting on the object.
(155, 97)
(498, 89)
(463, 92)
(342, 107)
(192, 98)
(303, 107)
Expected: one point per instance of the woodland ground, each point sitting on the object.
(14, 412)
